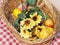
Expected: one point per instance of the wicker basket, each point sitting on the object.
(9, 5)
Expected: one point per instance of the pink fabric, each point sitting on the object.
(6, 37)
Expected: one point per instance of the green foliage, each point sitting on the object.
(29, 13)
(36, 8)
(22, 16)
(16, 23)
(31, 2)
(42, 14)
(47, 16)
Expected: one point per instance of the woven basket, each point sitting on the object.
(8, 6)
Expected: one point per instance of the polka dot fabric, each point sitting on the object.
(56, 41)
(6, 37)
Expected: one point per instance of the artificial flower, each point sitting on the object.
(36, 18)
(25, 33)
(43, 31)
(37, 30)
(16, 12)
(27, 23)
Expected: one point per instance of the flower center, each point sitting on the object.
(39, 29)
(27, 22)
(24, 31)
(34, 18)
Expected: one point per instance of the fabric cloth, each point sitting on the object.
(6, 37)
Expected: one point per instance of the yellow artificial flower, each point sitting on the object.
(49, 30)
(43, 27)
(25, 33)
(36, 18)
(27, 23)
(16, 12)
(43, 31)
(37, 31)
(43, 34)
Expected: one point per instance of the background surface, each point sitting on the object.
(56, 4)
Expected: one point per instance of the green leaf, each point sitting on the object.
(16, 23)
(47, 16)
(36, 8)
(29, 13)
(31, 2)
(18, 30)
(22, 16)
(42, 14)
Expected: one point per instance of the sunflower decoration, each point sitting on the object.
(27, 23)
(33, 23)
(45, 32)
(36, 18)
(25, 33)
(37, 30)
(42, 31)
